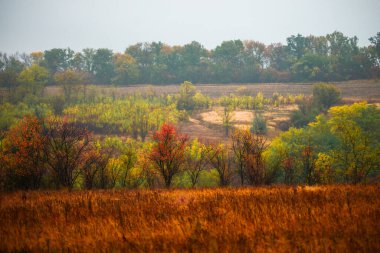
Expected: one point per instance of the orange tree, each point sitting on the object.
(168, 153)
(21, 155)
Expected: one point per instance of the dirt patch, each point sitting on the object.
(213, 117)
(241, 117)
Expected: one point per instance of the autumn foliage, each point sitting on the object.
(51, 150)
(21, 156)
(168, 153)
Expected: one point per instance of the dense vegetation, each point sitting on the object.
(304, 58)
(139, 145)
(278, 219)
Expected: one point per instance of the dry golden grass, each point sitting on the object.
(356, 89)
(273, 219)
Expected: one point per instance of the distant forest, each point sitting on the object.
(334, 57)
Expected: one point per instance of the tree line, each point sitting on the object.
(332, 57)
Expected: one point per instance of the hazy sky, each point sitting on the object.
(37, 25)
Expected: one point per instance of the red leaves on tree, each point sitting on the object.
(168, 151)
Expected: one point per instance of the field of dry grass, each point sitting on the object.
(351, 90)
(273, 219)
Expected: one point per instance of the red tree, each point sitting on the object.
(22, 154)
(168, 152)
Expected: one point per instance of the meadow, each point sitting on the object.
(336, 218)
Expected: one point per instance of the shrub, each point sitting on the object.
(325, 96)
(259, 124)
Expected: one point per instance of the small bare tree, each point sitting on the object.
(227, 117)
(220, 159)
(67, 151)
(255, 166)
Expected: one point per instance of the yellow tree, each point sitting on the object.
(33, 79)
(196, 160)
(356, 127)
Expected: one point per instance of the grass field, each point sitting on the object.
(273, 219)
(352, 90)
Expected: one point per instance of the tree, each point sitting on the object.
(66, 151)
(228, 61)
(70, 81)
(10, 68)
(220, 159)
(95, 168)
(372, 53)
(103, 66)
(88, 55)
(128, 156)
(358, 152)
(186, 96)
(279, 57)
(34, 79)
(240, 145)
(311, 67)
(375, 41)
(325, 96)
(226, 119)
(58, 59)
(192, 55)
(168, 153)
(37, 57)
(126, 69)
(259, 124)
(254, 160)
(22, 154)
(308, 163)
(140, 120)
(196, 160)
(297, 45)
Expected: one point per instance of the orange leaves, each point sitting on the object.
(22, 153)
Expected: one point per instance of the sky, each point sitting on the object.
(38, 25)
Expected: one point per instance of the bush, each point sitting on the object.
(305, 114)
(325, 96)
(259, 125)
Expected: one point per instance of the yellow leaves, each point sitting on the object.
(34, 74)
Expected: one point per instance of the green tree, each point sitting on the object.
(228, 61)
(186, 96)
(259, 124)
(103, 66)
(58, 59)
(325, 95)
